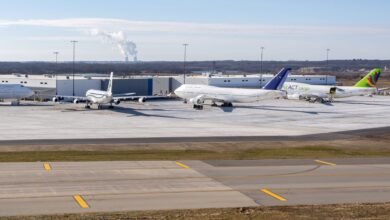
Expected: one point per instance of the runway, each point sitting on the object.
(76, 187)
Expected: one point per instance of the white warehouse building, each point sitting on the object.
(47, 86)
(252, 81)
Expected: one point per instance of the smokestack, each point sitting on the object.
(126, 47)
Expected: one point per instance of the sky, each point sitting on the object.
(155, 30)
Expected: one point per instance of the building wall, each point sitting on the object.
(177, 81)
(81, 86)
(250, 81)
(45, 86)
(139, 86)
(161, 85)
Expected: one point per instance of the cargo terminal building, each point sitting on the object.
(47, 86)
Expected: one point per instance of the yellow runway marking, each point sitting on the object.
(266, 191)
(47, 166)
(83, 204)
(183, 165)
(324, 162)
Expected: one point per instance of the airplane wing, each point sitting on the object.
(75, 99)
(139, 98)
(124, 94)
(123, 97)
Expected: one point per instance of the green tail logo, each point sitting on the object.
(370, 79)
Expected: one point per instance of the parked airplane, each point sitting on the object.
(198, 94)
(321, 93)
(99, 97)
(15, 92)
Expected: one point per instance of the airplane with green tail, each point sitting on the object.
(366, 86)
(325, 93)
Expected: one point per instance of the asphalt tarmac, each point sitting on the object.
(76, 187)
(173, 121)
(207, 139)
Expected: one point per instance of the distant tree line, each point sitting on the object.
(122, 68)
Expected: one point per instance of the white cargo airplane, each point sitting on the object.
(320, 93)
(14, 92)
(198, 94)
(99, 97)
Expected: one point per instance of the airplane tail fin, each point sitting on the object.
(277, 82)
(370, 79)
(109, 88)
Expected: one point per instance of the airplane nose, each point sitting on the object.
(30, 93)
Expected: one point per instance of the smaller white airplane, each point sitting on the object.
(15, 92)
(198, 94)
(320, 93)
(99, 97)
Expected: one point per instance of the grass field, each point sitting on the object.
(185, 154)
(380, 211)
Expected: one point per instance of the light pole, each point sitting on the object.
(327, 57)
(56, 54)
(56, 68)
(261, 66)
(184, 64)
(261, 60)
(74, 57)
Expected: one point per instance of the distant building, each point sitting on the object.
(251, 81)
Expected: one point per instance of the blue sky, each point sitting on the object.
(215, 29)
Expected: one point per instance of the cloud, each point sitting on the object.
(196, 28)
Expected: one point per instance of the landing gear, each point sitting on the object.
(227, 104)
(99, 106)
(185, 101)
(198, 107)
(213, 104)
(87, 105)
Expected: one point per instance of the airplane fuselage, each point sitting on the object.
(302, 89)
(228, 95)
(14, 91)
(323, 91)
(348, 91)
(98, 97)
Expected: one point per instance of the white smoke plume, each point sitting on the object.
(126, 47)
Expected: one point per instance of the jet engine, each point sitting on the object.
(55, 99)
(141, 100)
(198, 100)
(294, 96)
(76, 101)
(117, 102)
